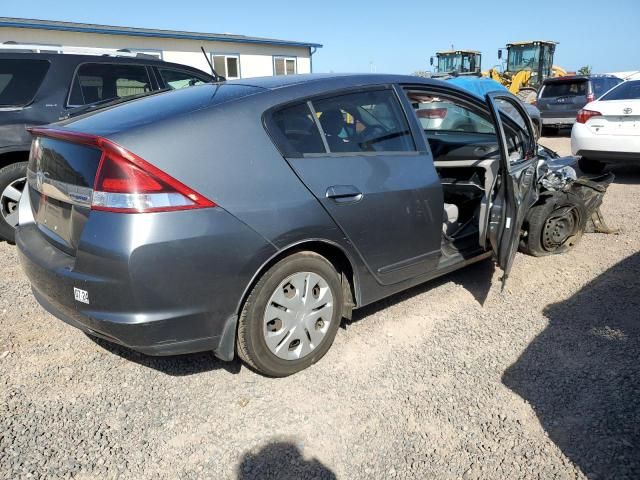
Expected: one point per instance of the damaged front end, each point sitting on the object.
(568, 206)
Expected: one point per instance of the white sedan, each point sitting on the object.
(608, 130)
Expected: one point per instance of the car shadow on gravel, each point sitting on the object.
(175, 365)
(475, 278)
(581, 375)
(282, 461)
(626, 174)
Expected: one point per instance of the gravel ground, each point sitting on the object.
(452, 379)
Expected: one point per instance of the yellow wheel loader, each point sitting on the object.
(457, 62)
(528, 64)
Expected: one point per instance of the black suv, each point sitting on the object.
(41, 88)
(560, 98)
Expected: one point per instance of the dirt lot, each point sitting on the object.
(453, 379)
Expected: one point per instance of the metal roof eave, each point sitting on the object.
(157, 34)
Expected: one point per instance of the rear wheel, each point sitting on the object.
(590, 166)
(554, 226)
(12, 182)
(292, 315)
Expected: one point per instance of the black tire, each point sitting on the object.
(550, 131)
(591, 166)
(252, 347)
(554, 226)
(8, 175)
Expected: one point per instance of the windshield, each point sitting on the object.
(523, 57)
(625, 91)
(449, 63)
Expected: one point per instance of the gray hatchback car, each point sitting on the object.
(251, 216)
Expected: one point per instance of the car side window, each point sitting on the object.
(444, 114)
(295, 131)
(371, 121)
(518, 139)
(96, 82)
(177, 79)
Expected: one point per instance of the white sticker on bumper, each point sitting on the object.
(81, 295)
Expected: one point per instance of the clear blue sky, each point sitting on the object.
(397, 37)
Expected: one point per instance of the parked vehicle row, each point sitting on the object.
(280, 206)
(39, 88)
(560, 99)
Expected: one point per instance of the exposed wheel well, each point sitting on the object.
(13, 157)
(334, 254)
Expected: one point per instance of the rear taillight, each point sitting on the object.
(433, 113)
(128, 184)
(584, 115)
(591, 98)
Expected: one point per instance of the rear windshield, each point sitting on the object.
(565, 89)
(20, 80)
(603, 85)
(625, 91)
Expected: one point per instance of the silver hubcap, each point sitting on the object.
(298, 315)
(9, 201)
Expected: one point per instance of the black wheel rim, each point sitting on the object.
(560, 228)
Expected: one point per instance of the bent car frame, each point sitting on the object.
(250, 216)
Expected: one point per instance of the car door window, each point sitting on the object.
(371, 121)
(295, 131)
(177, 79)
(20, 80)
(96, 82)
(515, 129)
(443, 114)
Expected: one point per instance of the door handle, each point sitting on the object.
(344, 194)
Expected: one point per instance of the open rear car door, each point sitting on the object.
(516, 188)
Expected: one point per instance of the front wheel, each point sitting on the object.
(13, 179)
(291, 316)
(554, 226)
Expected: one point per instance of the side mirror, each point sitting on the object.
(431, 61)
(499, 54)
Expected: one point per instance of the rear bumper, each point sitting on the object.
(604, 147)
(177, 292)
(150, 339)
(558, 122)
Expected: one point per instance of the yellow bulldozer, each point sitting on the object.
(528, 64)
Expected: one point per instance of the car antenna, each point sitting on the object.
(219, 78)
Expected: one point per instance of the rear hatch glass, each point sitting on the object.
(20, 80)
(61, 176)
(564, 97)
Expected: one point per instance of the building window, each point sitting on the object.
(227, 65)
(284, 66)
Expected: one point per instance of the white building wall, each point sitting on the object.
(256, 60)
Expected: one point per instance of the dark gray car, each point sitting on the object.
(251, 216)
(560, 99)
